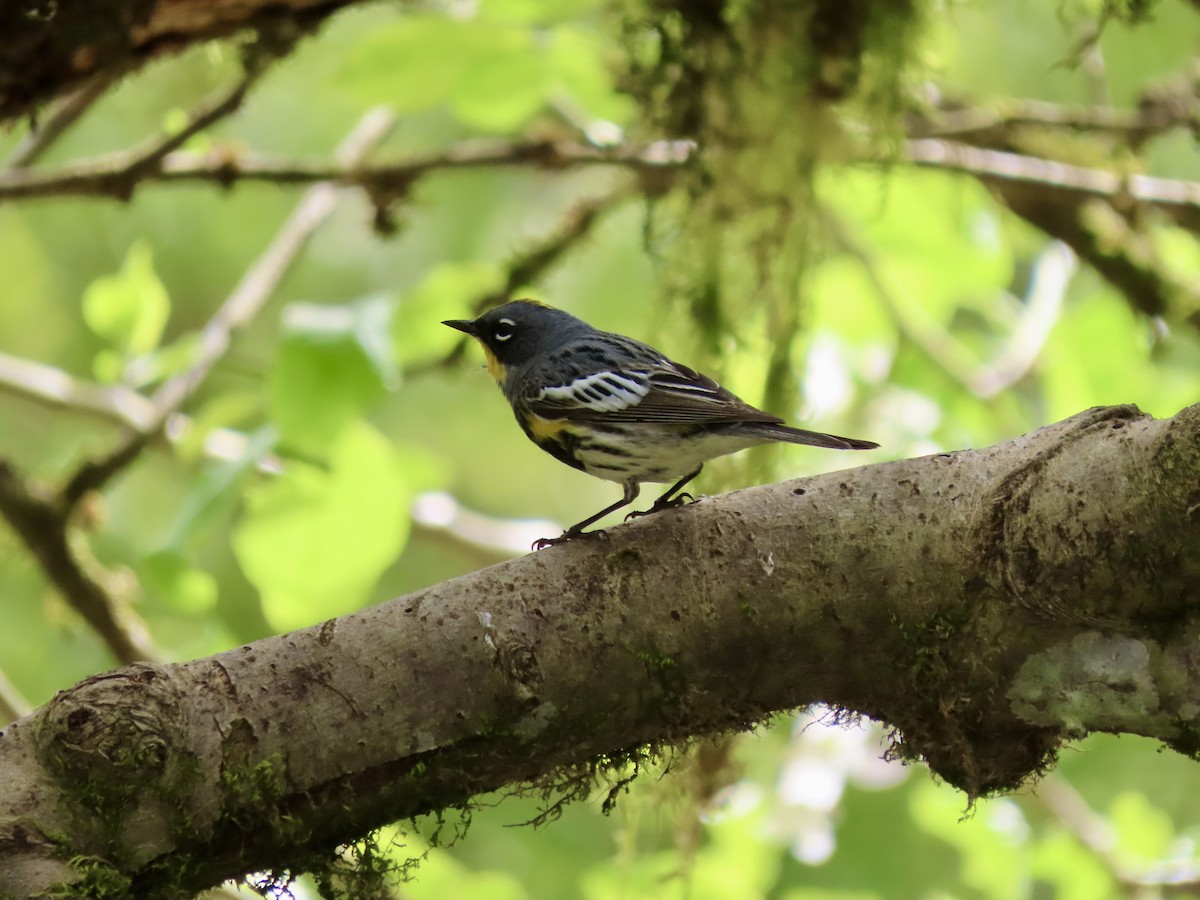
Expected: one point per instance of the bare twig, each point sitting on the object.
(56, 389)
(12, 704)
(251, 293)
(1094, 832)
(1051, 277)
(1010, 114)
(44, 525)
(1047, 287)
(61, 118)
(925, 334)
(149, 156)
(43, 519)
(535, 261)
(122, 172)
(1178, 199)
(111, 176)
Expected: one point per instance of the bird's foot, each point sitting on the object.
(660, 505)
(569, 535)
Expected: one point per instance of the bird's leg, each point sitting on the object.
(671, 498)
(631, 493)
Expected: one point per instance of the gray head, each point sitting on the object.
(521, 330)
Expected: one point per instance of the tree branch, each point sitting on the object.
(1096, 833)
(116, 175)
(1179, 200)
(983, 602)
(1094, 212)
(43, 519)
(242, 305)
(44, 526)
(1009, 115)
(12, 704)
(53, 48)
(42, 138)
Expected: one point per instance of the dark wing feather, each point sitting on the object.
(654, 390)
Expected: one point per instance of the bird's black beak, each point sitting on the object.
(467, 326)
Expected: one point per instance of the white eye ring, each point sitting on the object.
(504, 337)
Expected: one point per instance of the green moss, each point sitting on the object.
(98, 880)
(624, 557)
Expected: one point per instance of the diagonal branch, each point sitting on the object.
(239, 309)
(45, 527)
(64, 115)
(533, 262)
(43, 519)
(696, 621)
(12, 704)
(1096, 833)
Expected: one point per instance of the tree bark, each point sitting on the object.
(987, 603)
(50, 47)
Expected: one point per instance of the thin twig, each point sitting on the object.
(53, 388)
(534, 262)
(1096, 834)
(1043, 303)
(43, 524)
(925, 334)
(1178, 199)
(113, 176)
(1010, 114)
(529, 265)
(12, 704)
(122, 172)
(61, 118)
(242, 305)
(43, 519)
(149, 155)
(1048, 285)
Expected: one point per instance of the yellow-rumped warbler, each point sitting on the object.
(617, 408)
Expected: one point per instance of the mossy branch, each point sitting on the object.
(989, 604)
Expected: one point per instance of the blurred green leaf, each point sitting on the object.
(1072, 869)
(315, 540)
(212, 496)
(333, 363)
(494, 72)
(504, 88)
(185, 589)
(576, 62)
(449, 291)
(225, 410)
(442, 876)
(1144, 832)
(417, 62)
(534, 11)
(162, 363)
(128, 309)
(992, 840)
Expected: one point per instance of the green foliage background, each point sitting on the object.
(345, 376)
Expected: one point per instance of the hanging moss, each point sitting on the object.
(769, 92)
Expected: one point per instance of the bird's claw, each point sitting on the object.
(660, 505)
(568, 535)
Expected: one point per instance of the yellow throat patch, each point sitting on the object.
(495, 368)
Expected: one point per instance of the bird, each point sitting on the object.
(617, 408)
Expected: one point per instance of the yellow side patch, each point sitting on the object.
(546, 429)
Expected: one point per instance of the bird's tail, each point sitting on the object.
(771, 432)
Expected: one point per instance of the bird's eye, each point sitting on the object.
(505, 329)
